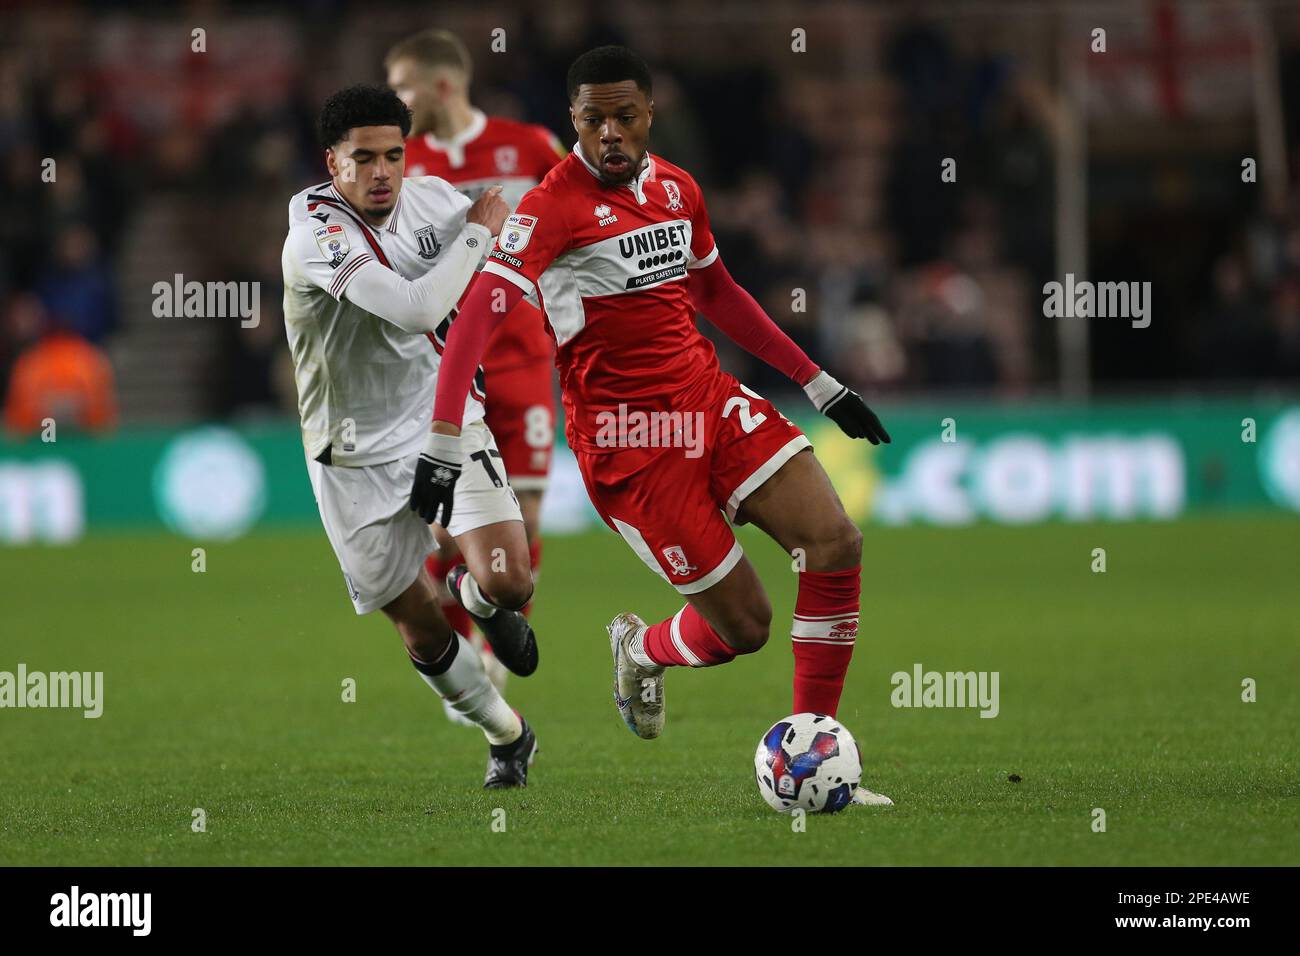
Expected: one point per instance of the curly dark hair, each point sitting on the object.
(608, 64)
(360, 105)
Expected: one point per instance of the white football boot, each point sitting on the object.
(870, 798)
(638, 690)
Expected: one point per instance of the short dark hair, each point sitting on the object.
(433, 48)
(608, 64)
(361, 105)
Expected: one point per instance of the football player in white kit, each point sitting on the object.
(373, 268)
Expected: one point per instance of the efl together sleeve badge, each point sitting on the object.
(516, 232)
(333, 242)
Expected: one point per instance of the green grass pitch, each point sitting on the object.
(1119, 690)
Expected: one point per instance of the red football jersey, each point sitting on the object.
(609, 265)
(517, 156)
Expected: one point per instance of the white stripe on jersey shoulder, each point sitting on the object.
(345, 274)
(708, 260)
(506, 272)
(345, 209)
(300, 201)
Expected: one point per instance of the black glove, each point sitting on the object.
(845, 408)
(436, 472)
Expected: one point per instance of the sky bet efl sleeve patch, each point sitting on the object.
(333, 242)
(516, 233)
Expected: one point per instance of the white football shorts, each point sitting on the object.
(380, 542)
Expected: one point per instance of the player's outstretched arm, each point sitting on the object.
(421, 304)
(485, 308)
(442, 458)
(733, 310)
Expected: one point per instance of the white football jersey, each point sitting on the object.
(365, 386)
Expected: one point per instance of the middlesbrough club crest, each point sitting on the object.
(507, 159)
(677, 558)
(674, 195)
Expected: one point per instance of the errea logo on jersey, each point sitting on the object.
(603, 218)
(516, 232)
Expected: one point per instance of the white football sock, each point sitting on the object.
(472, 598)
(466, 689)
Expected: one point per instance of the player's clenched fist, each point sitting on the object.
(489, 210)
(436, 471)
(845, 408)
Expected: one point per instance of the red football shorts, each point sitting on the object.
(669, 503)
(521, 415)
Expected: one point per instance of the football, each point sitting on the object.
(809, 761)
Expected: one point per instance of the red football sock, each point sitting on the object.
(685, 640)
(825, 627)
(456, 615)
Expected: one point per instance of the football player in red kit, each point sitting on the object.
(430, 71)
(616, 245)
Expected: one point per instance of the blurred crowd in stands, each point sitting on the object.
(126, 156)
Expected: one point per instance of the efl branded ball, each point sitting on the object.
(809, 761)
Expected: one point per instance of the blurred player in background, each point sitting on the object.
(616, 243)
(373, 268)
(450, 138)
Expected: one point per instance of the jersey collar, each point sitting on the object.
(637, 185)
(455, 146)
(390, 225)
